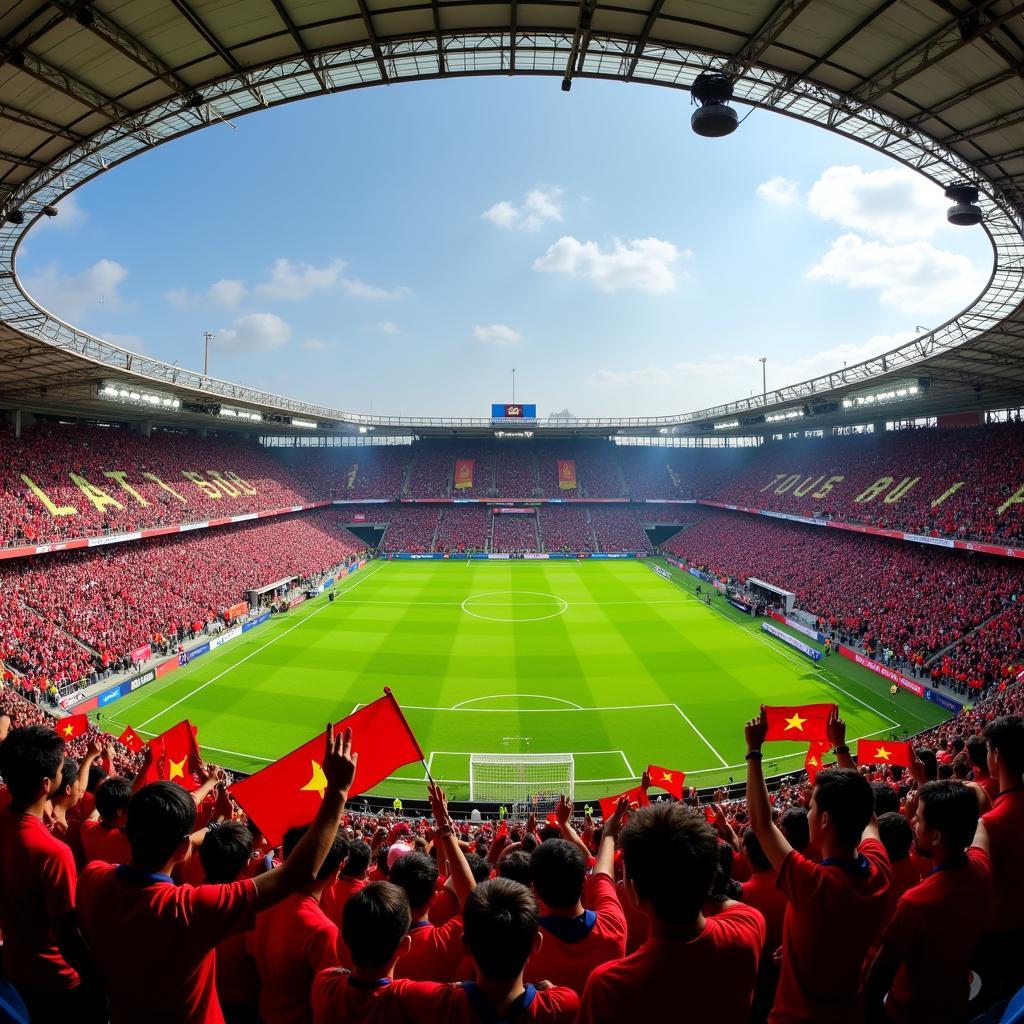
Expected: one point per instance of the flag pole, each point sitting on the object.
(430, 778)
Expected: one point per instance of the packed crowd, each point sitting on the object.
(910, 599)
(411, 528)
(72, 615)
(514, 534)
(867, 894)
(565, 528)
(349, 473)
(618, 529)
(515, 473)
(462, 528)
(126, 481)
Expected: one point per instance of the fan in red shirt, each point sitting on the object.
(41, 947)
(105, 839)
(185, 923)
(690, 967)
(226, 856)
(576, 938)
(501, 932)
(897, 837)
(927, 976)
(350, 881)
(835, 907)
(294, 941)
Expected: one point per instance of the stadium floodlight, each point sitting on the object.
(305, 424)
(15, 217)
(534, 780)
(113, 391)
(713, 118)
(965, 211)
(894, 393)
(240, 414)
(786, 414)
(726, 424)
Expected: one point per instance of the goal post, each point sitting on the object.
(521, 779)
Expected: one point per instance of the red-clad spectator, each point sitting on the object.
(104, 839)
(350, 881)
(294, 941)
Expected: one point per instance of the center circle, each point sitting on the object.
(537, 607)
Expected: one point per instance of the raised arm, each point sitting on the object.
(835, 730)
(563, 812)
(609, 836)
(460, 876)
(773, 842)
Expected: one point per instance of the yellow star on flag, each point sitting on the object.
(177, 769)
(812, 760)
(68, 730)
(882, 754)
(666, 777)
(317, 781)
(796, 722)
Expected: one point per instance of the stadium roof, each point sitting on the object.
(938, 86)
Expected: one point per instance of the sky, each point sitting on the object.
(399, 250)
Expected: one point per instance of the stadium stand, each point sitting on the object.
(565, 528)
(462, 528)
(411, 528)
(618, 529)
(514, 533)
(515, 472)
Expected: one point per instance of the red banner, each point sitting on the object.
(566, 475)
(235, 610)
(463, 474)
(141, 654)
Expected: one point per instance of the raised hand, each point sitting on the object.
(755, 730)
(613, 825)
(339, 762)
(645, 781)
(438, 805)
(563, 810)
(835, 729)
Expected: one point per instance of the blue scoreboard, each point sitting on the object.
(513, 411)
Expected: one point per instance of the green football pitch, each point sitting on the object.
(606, 661)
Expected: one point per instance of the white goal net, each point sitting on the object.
(532, 781)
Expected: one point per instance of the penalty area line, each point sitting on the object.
(707, 742)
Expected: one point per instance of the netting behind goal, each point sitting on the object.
(532, 781)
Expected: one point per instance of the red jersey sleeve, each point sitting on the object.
(61, 878)
(610, 918)
(799, 878)
(321, 949)
(217, 911)
(595, 1007)
(557, 1005)
(444, 907)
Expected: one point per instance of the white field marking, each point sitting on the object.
(707, 742)
(499, 696)
(426, 771)
(510, 604)
(529, 711)
(575, 753)
(413, 602)
(629, 767)
(785, 654)
(465, 782)
(242, 661)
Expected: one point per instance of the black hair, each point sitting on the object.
(29, 755)
(950, 808)
(416, 873)
(515, 866)
(722, 885)
(755, 852)
(547, 832)
(795, 827)
(930, 762)
(335, 855)
(69, 772)
(558, 869)
(160, 816)
(113, 795)
(225, 852)
(977, 751)
(96, 775)
(358, 859)
(885, 798)
(499, 924)
(1005, 735)
(373, 923)
(845, 795)
(896, 834)
(479, 867)
(670, 854)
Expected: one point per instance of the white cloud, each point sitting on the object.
(361, 290)
(539, 206)
(895, 204)
(74, 295)
(497, 334)
(386, 327)
(297, 280)
(914, 278)
(315, 345)
(255, 332)
(180, 297)
(226, 292)
(644, 264)
(779, 190)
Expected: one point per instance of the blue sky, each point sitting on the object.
(400, 249)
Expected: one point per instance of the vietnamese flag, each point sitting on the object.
(173, 757)
(884, 752)
(566, 475)
(289, 791)
(71, 727)
(131, 739)
(637, 797)
(804, 722)
(463, 474)
(667, 779)
(815, 754)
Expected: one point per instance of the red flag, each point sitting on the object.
(566, 475)
(813, 762)
(131, 739)
(884, 752)
(804, 722)
(463, 474)
(667, 779)
(552, 819)
(637, 797)
(174, 757)
(288, 792)
(709, 814)
(502, 830)
(72, 726)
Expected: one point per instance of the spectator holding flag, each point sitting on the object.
(835, 907)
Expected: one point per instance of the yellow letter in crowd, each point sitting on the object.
(225, 486)
(119, 475)
(54, 510)
(243, 484)
(1016, 498)
(827, 486)
(166, 487)
(204, 485)
(787, 484)
(872, 492)
(947, 494)
(778, 477)
(806, 485)
(900, 489)
(99, 498)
